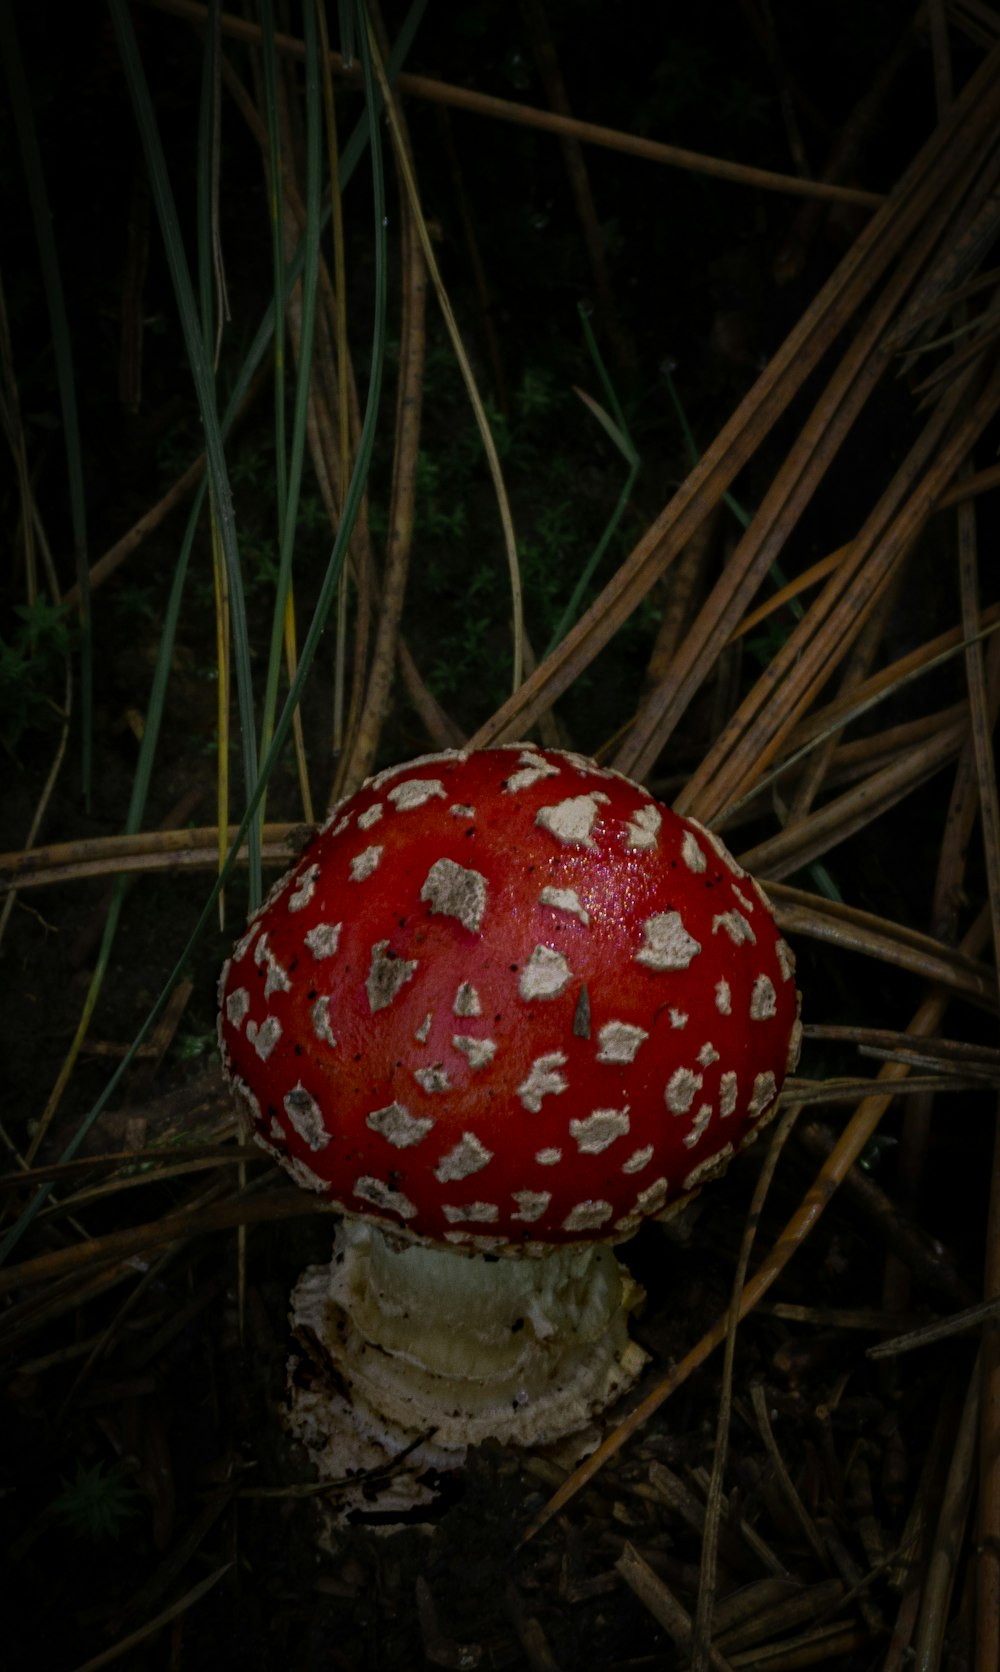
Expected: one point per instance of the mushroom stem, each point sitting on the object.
(466, 1347)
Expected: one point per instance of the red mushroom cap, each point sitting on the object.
(507, 998)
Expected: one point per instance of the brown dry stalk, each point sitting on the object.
(972, 1317)
(967, 487)
(402, 500)
(147, 523)
(340, 332)
(887, 1042)
(776, 1614)
(837, 1088)
(881, 748)
(180, 811)
(844, 161)
(848, 390)
(791, 1496)
(332, 378)
(526, 116)
(715, 1501)
(686, 579)
(980, 712)
(857, 666)
(939, 289)
(802, 666)
(852, 930)
(184, 1159)
(802, 583)
(419, 227)
(980, 707)
(442, 730)
(973, 349)
(876, 749)
(160, 1040)
(816, 833)
(43, 1307)
(921, 313)
(107, 1657)
(151, 1278)
(656, 1595)
(182, 1551)
(940, 1575)
(907, 1572)
(856, 1136)
(171, 1227)
(138, 1180)
(111, 560)
(988, 1516)
(148, 850)
(931, 179)
(488, 332)
(547, 62)
(962, 815)
(880, 684)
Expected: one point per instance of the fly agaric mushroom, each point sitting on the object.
(505, 1004)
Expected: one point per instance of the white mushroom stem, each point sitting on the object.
(464, 1347)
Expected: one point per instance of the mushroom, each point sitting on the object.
(505, 1005)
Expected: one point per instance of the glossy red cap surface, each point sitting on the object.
(508, 998)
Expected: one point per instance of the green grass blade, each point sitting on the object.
(133, 820)
(775, 573)
(310, 275)
(610, 392)
(211, 288)
(617, 431)
(31, 160)
(355, 146)
(350, 157)
(277, 215)
(345, 18)
(205, 392)
(614, 432)
(328, 593)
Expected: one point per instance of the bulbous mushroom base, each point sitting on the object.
(425, 1351)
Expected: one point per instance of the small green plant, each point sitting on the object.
(192, 1047)
(550, 557)
(97, 1502)
(136, 601)
(42, 639)
(557, 521)
(250, 468)
(539, 393)
(441, 513)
